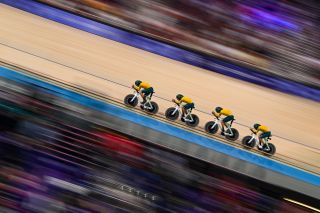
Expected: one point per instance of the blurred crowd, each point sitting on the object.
(277, 36)
(53, 158)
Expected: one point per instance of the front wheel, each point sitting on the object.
(129, 101)
(195, 121)
(154, 108)
(269, 151)
(248, 142)
(234, 134)
(211, 127)
(171, 115)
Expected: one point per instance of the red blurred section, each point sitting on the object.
(121, 145)
(55, 159)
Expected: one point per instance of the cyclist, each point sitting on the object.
(147, 89)
(225, 121)
(188, 104)
(263, 133)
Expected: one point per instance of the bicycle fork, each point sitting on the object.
(175, 110)
(134, 97)
(253, 138)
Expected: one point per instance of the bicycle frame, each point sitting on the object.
(147, 104)
(136, 95)
(218, 122)
(254, 137)
(177, 108)
(188, 114)
(265, 141)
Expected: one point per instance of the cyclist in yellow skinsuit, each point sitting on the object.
(188, 103)
(262, 131)
(147, 89)
(228, 116)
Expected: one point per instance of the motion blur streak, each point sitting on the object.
(302, 204)
(279, 37)
(59, 153)
(54, 158)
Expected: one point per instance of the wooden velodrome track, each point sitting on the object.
(109, 68)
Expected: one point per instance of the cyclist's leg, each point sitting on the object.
(223, 125)
(142, 93)
(261, 142)
(186, 108)
(264, 137)
(145, 93)
(226, 122)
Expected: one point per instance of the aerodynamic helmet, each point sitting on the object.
(218, 109)
(179, 97)
(137, 82)
(256, 126)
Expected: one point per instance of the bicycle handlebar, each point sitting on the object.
(135, 88)
(253, 131)
(174, 101)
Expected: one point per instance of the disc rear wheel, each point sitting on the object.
(234, 134)
(195, 121)
(154, 108)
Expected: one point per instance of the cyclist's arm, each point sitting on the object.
(183, 100)
(136, 88)
(177, 101)
(254, 130)
(260, 129)
(216, 114)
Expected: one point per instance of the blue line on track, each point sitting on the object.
(166, 128)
